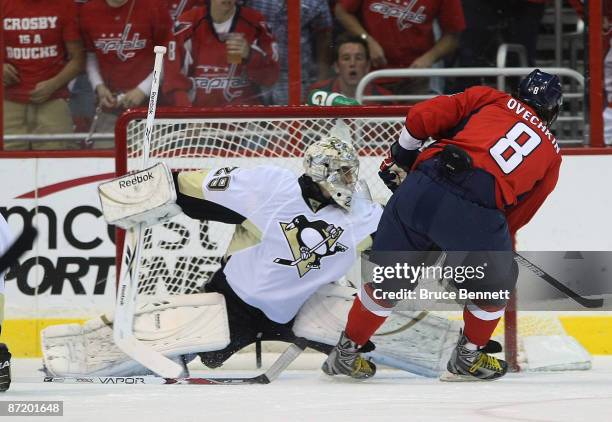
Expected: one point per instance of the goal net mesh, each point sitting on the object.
(181, 255)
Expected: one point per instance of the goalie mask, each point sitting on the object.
(334, 165)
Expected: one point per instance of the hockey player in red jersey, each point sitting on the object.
(494, 163)
(201, 71)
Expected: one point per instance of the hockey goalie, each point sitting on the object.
(294, 237)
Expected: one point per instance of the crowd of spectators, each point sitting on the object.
(69, 63)
(223, 54)
(401, 35)
(43, 52)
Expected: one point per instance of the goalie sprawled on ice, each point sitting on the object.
(294, 236)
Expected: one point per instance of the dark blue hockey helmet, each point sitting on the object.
(542, 91)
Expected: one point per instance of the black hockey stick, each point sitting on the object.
(283, 361)
(23, 244)
(584, 301)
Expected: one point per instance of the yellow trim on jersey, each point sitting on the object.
(365, 244)
(245, 235)
(190, 183)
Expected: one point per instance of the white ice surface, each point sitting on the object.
(307, 395)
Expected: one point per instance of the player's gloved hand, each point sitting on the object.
(333, 231)
(305, 253)
(391, 175)
(5, 368)
(396, 165)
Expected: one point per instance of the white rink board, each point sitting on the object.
(577, 214)
(73, 238)
(575, 217)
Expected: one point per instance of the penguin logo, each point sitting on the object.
(309, 242)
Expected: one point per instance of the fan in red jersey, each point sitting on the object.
(400, 34)
(119, 36)
(494, 163)
(178, 7)
(43, 52)
(223, 54)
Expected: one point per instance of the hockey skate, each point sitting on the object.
(473, 365)
(345, 359)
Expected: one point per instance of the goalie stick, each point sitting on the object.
(283, 361)
(123, 332)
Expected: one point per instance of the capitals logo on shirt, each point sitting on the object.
(121, 44)
(404, 13)
(223, 78)
(310, 241)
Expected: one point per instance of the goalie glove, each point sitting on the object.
(396, 165)
(144, 197)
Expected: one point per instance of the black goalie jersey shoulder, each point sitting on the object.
(309, 242)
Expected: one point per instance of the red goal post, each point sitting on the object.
(196, 138)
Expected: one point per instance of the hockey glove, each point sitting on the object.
(5, 368)
(396, 165)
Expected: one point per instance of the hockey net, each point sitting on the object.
(180, 256)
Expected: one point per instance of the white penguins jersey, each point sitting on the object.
(292, 250)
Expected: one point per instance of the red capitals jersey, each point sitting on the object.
(404, 28)
(503, 136)
(123, 39)
(200, 62)
(178, 7)
(35, 33)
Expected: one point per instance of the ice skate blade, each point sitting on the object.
(447, 376)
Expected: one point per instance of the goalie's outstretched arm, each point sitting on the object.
(154, 195)
(189, 198)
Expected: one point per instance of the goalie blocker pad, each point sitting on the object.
(147, 196)
(173, 326)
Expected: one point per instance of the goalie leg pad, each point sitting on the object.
(417, 342)
(174, 326)
(147, 196)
